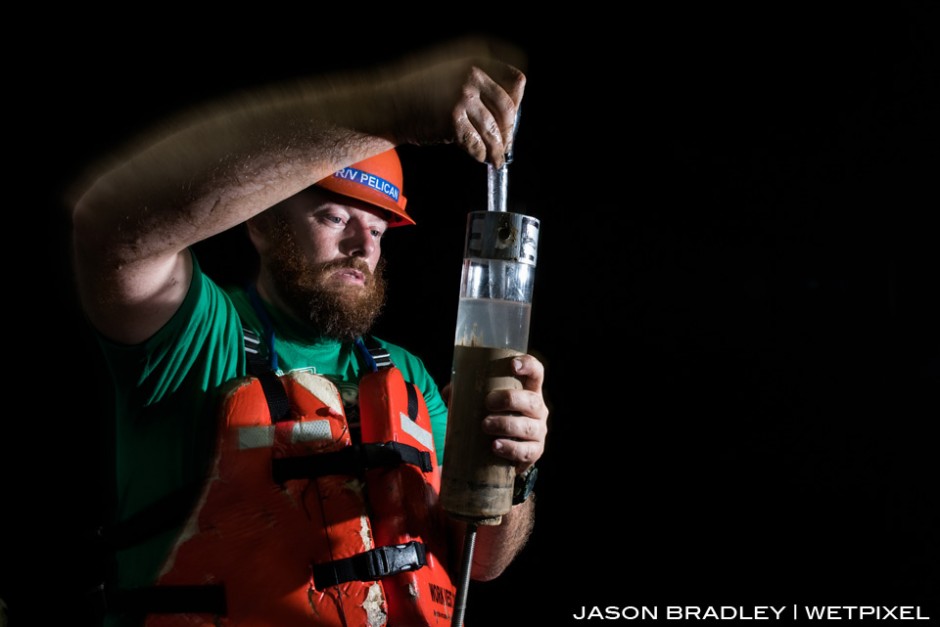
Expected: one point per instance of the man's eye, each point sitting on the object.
(333, 219)
(376, 233)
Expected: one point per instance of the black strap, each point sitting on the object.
(259, 367)
(373, 354)
(254, 350)
(371, 565)
(412, 401)
(262, 360)
(349, 461)
(275, 394)
(380, 356)
(377, 357)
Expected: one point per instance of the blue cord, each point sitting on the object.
(366, 355)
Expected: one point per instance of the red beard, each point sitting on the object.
(342, 312)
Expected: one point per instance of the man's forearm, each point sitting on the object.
(496, 546)
(216, 167)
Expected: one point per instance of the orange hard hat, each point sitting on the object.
(377, 180)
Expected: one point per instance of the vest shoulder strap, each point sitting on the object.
(373, 353)
(258, 363)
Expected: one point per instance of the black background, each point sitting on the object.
(736, 296)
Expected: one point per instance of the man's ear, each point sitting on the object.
(257, 231)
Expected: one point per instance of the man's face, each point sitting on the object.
(322, 260)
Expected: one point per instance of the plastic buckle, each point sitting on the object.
(381, 357)
(399, 558)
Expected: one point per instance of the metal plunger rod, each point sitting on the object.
(460, 603)
(497, 180)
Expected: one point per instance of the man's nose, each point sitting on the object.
(358, 240)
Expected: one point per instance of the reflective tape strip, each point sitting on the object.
(255, 437)
(311, 430)
(413, 429)
(263, 436)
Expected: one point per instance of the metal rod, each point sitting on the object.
(497, 181)
(460, 603)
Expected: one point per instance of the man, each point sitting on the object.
(311, 168)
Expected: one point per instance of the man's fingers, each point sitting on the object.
(485, 115)
(520, 439)
(523, 454)
(468, 137)
(531, 371)
(478, 132)
(523, 401)
(501, 94)
(515, 427)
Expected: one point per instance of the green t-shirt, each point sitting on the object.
(167, 392)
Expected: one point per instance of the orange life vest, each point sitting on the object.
(301, 526)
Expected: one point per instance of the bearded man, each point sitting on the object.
(235, 408)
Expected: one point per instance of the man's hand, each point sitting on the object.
(520, 419)
(466, 92)
(519, 422)
(485, 115)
